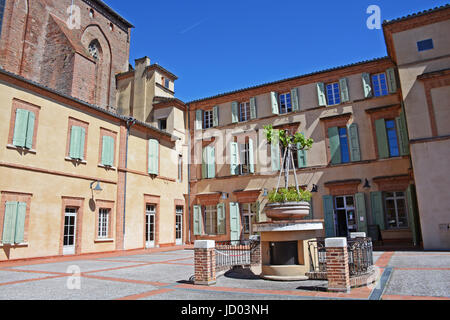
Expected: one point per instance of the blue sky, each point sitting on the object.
(220, 46)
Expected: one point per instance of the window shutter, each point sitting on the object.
(221, 225)
(20, 128)
(367, 87)
(153, 156)
(108, 151)
(234, 154)
(301, 156)
(9, 222)
(211, 162)
(382, 141)
(328, 212)
(30, 130)
(199, 119)
(252, 108)
(335, 145)
(355, 151)
(376, 202)
(343, 84)
(82, 138)
(20, 222)
(413, 215)
(391, 80)
(274, 102)
(75, 142)
(275, 151)
(234, 112)
(295, 100)
(361, 212)
(197, 220)
(215, 116)
(402, 133)
(234, 221)
(205, 163)
(321, 94)
(251, 156)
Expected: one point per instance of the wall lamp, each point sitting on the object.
(314, 188)
(366, 184)
(97, 187)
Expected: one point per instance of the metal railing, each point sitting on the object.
(235, 253)
(360, 256)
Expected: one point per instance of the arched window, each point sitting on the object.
(94, 49)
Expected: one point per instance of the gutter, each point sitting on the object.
(189, 173)
(129, 123)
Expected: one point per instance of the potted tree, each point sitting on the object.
(289, 202)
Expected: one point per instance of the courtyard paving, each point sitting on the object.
(165, 274)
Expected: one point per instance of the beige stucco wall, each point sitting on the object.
(441, 102)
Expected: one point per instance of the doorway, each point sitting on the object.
(179, 225)
(150, 215)
(345, 216)
(70, 226)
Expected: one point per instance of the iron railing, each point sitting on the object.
(360, 256)
(235, 253)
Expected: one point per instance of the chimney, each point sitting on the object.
(140, 88)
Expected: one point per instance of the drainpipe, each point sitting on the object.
(189, 173)
(129, 123)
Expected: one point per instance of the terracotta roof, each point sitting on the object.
(110, 11)
(157, 66)
(292, 78)
(417, 14)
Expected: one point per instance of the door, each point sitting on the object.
(150, 226)
(346, 221)
(70, 225)
(179, 225)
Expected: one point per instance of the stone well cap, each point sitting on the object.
(335, 242)
(204, 244)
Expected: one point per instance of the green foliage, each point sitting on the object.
(286, 139)
(289, 195)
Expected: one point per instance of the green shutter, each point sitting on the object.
(355, 151)
(221, 225)
(211, 162)
(391, 80)
(367, 87)
(402, 133)
(328, 215)
(20, 222)
(234, 112)
(108, 151)
(335, 145)
(361, 212)
(205, 163)
(153, 156)
(321, 94)
(275, 151)
(215, 116)
(343, 84)
(251, 156)
(199, 119)
(82, 138)
(274, 102)
(234, 154)
(75, 142)
(30, 130)
(235, 227)
(295, 100)
(9, 222)
(197, 220)
(382, 141)
(301, 156)
(252, 108)
(376, 203)
(20, 128)
(413, 214)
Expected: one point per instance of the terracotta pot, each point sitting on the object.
(287, 210)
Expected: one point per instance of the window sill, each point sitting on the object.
(107, 167)
(16, 245)
(75, 160)
(103, 240)
(25, 150)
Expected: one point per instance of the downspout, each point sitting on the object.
(189, 172)
(130, 122)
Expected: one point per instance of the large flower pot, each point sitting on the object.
(287, 210)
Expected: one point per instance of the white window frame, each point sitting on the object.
(208, 119)
(103, 223)
(247, 212)
(396, 197)
(379, 84)
(244, 111)
(284, 106)
(333, 93)
(244, 158)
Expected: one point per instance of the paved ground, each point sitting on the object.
(159, 274)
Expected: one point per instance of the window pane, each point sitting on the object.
(340, 202)
(345, 155)
(391, 218)
(392, 138)
(401, 213)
